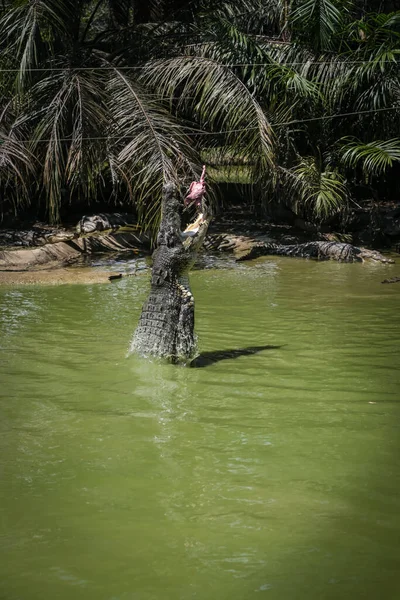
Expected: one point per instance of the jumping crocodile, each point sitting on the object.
(166, 325)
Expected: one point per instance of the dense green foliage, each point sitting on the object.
(107, 99)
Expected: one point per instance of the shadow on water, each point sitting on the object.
(209, 358)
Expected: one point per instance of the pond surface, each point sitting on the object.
(265, 474)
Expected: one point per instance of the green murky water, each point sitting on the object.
(273, 474)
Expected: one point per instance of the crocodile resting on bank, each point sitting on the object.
(320, 250)
(43, 247)
(245, 247)
(166, 325)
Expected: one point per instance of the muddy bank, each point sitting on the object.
(55, 256)
(63, 253)
(58, 276)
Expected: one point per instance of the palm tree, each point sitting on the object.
(83, 117)
(109, 98)
(78, 97)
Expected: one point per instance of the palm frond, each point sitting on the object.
(147, 146)
(288, 83)
(320, 19)
(17, 166)
(27, 27)
(374, 157)
(221, 103)
(72, 114)
(321, 192)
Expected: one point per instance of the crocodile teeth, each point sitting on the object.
(194, 227)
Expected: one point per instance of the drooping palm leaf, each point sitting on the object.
(148, 147)
(375, 157)
(320, 19)
(322, 192)
(72, 115)
(29, 26)
(17, 163)
(17, 166)
(221, 103)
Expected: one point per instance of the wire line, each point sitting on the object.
(162, 66)
(195, 132)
